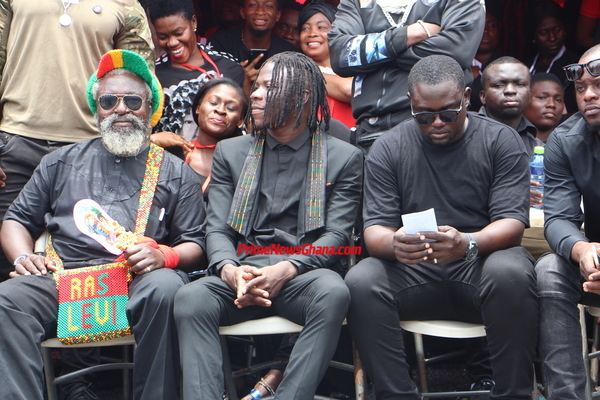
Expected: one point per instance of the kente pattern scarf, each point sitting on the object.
(247, 186)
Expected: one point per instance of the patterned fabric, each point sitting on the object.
(133, 62)
(248, 183)
(92, 301)
(180, 103)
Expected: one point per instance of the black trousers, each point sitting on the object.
(498, 290)
(317, 299)
(28, 311)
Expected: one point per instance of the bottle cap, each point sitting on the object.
(538, 150)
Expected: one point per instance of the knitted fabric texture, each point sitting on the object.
(133, 62)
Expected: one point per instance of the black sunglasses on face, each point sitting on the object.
(428, 117)
(132, 101)
(575, 71)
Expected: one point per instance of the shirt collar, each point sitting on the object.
(294, 144)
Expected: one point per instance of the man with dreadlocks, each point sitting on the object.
(287, 184)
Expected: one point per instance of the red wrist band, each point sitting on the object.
(171, 256)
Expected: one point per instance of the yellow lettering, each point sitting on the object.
(75, 288)
(97, 310)
(90, 287)
(70, 326)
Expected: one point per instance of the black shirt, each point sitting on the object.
(86, 170)
(478, 179)
(572, 167)
(526, 130)
(284, 168)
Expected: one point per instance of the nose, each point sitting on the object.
(437, 122)
(120, 108)
(510, 88)
(172, 41)
(551, 103)
(220, 108)
(590, 93)
(257, 94)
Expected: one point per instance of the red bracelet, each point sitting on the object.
(171, 256)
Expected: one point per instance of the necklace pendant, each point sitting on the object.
(65, 20)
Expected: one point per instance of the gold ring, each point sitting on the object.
(148, 268)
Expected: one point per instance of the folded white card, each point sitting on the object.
(423, 221)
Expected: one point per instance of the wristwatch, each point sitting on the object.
(20, 259)
(472, 249)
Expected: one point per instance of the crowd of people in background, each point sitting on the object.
(274, 105)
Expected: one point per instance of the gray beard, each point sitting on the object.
(125, 142)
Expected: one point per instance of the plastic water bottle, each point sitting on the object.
(536, 168)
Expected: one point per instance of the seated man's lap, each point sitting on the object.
(456, 289)
(560, 278)
(31, 295)
(210, 292)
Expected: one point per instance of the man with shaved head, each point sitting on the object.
(571, 274)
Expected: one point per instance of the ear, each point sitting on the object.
(482, 97)
(194, 22)
(278, 15)
(243, 13)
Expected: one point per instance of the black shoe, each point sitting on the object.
(82, 392)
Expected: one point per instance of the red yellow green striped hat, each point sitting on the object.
(135, 63)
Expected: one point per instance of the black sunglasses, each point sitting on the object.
(428, 117)
(132, 101)
(575, 71)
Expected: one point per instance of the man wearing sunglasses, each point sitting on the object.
(571, 274)
(473, 172)
(126, 99)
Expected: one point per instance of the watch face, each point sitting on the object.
(472, 252)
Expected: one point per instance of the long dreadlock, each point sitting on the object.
(293, 71)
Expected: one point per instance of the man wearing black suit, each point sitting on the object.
(288, 184)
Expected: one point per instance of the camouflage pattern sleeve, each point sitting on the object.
(5, 18)
(135, 35)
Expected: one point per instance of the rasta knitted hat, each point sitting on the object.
(132, 62)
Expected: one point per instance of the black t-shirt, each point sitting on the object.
(480, 178)
(230, 41)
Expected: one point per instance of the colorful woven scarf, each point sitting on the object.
(247, 186)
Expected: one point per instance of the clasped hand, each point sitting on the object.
(445, 245)
(257, 286)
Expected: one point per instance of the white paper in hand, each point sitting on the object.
(423, 221)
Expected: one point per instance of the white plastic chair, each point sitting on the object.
(263, 326)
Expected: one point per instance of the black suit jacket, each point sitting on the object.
(343, 192)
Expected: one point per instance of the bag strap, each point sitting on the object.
(153, 163)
